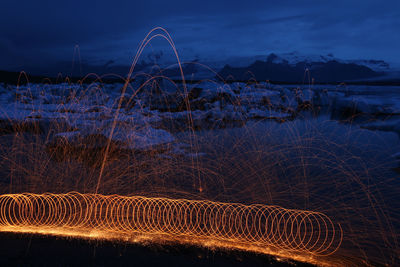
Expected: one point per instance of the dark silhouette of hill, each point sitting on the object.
(330, 72)
(322, 72)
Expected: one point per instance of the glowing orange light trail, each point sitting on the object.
(154, 33)
(257, 225)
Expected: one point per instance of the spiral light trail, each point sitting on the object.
(258, 225)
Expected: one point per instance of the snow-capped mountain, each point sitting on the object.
(294, 58)
(285, 67)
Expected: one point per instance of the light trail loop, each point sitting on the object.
(258, 225)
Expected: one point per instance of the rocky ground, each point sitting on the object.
(151, 114)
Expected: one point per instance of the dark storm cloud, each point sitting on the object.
(38, 34)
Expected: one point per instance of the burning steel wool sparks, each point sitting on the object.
(167, 159)
(262, 226)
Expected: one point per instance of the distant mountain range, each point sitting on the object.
(321, 70)
(289, 68)
(279, 68)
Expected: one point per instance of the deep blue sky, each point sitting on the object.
(41, 35)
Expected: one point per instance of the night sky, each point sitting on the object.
(40, 36)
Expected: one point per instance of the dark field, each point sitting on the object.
(35, 250)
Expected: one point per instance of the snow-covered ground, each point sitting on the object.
(148, 118)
